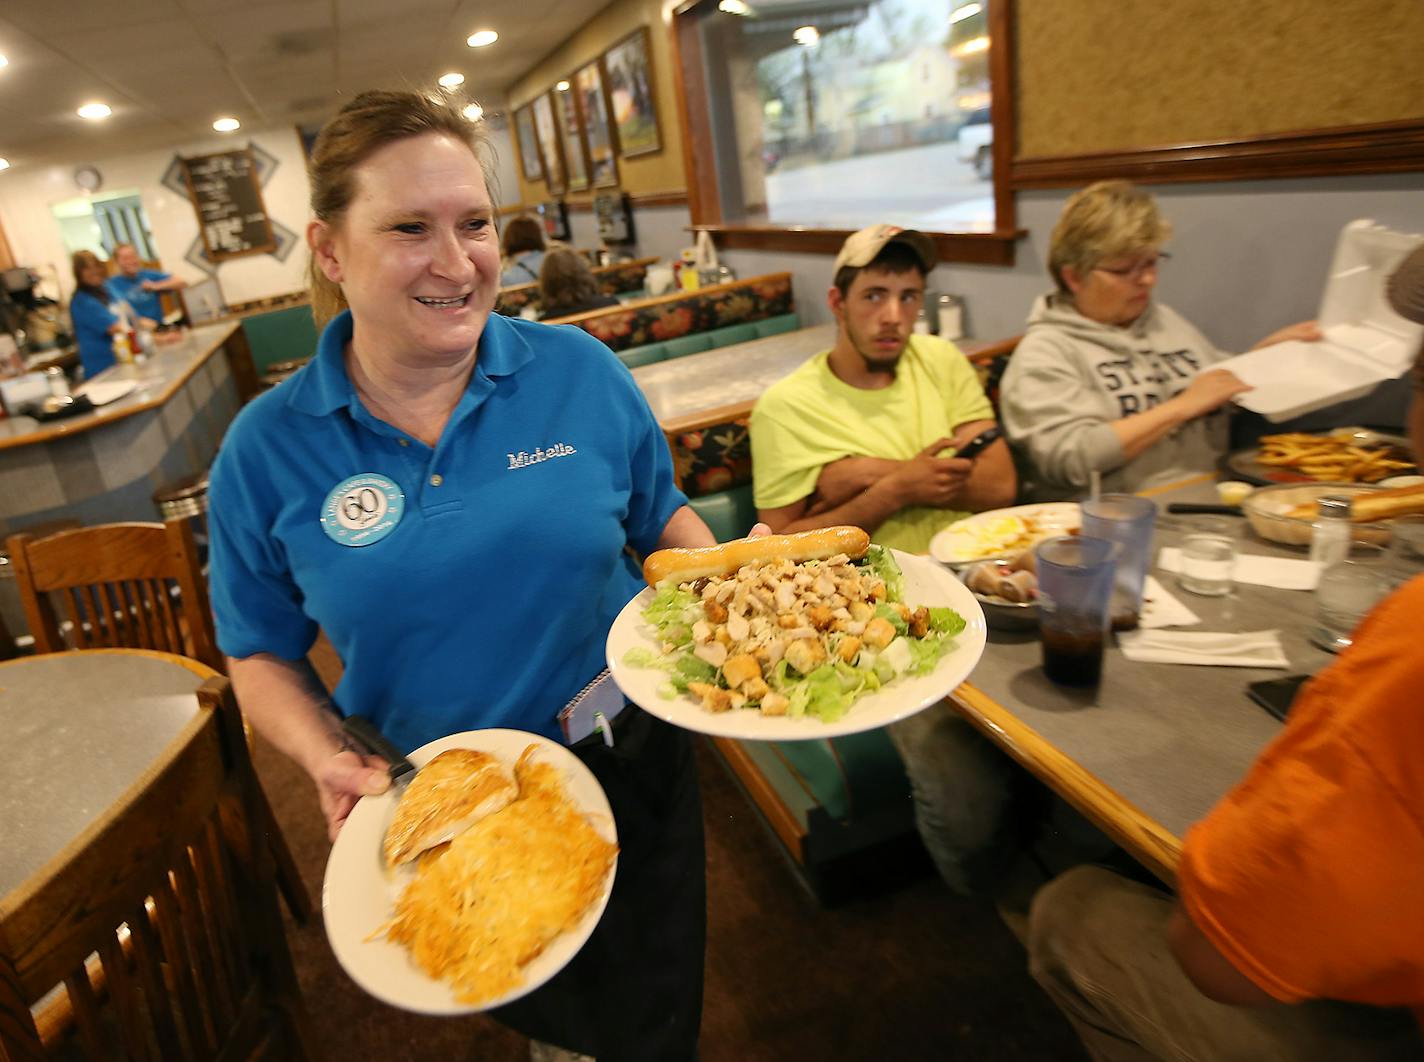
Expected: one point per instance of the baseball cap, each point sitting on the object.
(861, 247)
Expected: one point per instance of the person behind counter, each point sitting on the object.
(139, 287)
(524, 250)
(567, 285)
(95, 322)
(1106, 380)
(461, 588)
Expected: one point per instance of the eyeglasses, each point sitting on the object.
(1138, 269)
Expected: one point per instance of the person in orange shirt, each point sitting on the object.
(1298, 928)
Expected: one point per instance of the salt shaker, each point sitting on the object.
(54, 377)
(950, 311)
(1330, 534)
(922, 323)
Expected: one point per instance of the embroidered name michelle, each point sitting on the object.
(524, 458)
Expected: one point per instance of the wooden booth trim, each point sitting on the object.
(979, 248)
(1144, 838)
(1384, 147)
(637, 199)
(672, 296)
(704, 194)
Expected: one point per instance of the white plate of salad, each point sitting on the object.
(652, 654)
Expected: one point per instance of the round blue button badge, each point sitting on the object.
(362, 510)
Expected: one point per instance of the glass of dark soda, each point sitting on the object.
(1075, 586)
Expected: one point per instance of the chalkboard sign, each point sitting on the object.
(227, 195)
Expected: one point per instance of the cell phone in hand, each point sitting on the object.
(975, 446)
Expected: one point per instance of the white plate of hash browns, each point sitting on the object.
(478, 921)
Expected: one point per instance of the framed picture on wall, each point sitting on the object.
(629, 81)
(524, 134)
(571, 136)
(548, 137)
(597, 126)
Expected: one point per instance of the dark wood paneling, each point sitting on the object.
(690, 80)
(1001, 110)
(979, 248)
(1389, 147)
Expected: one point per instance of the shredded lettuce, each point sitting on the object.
(946, 621)
(882, 562)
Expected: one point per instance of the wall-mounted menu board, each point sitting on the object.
(227, 195)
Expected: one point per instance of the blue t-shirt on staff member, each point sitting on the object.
(92, 320)
(130, 289)
(469, 585)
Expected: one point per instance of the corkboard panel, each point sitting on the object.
(1122, 75)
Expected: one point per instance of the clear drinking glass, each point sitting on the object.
(1127, 520)
(1075, 584)
(1346, 592)
(1408, 541)
(1209, 558)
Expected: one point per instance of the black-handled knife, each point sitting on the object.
(1193, 507)
(365, 732)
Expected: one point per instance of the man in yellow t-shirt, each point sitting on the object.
(865, 433)
(858, 435)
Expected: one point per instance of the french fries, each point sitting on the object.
(1330, 459)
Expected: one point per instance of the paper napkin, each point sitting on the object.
(1161, 609)
(1223, 649)
(1281, 572)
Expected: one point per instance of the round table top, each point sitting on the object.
(80, 728)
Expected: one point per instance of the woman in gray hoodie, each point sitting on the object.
(1105, 379)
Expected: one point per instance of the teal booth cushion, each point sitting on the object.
(644, 355)
(695, 343)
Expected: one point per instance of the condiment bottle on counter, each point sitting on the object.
(922, 323)
(1331, 533)
(950, 312)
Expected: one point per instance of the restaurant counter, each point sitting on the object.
(104, 466)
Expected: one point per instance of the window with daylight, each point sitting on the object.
(834, 114)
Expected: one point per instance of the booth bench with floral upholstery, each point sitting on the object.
(618, 278)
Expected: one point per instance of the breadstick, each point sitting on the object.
(684, 564)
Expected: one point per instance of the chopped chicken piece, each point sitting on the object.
(774, 704)
(796, 634)
(803, 579)
(738, 629)
(848, 649)
(879, 633)
(702, 632)
(841, 613)
(760, 600)
(820, 616)
(824, 585)
(755, 689)
(839, 560)
(920, 622)
(785, 597)
(771, 652)
(740, 668)
(805, 654)
(714, 653)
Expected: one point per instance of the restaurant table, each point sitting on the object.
(80, 729)
(1154, 746)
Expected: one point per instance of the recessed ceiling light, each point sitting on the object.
(3, 60)
(481, 38)
(473, 111)
(4, 164)
(562, 86)
(807, 35)
(734, 7)
(967, 11)
(227, 125)
(95, 111)
(451, 80)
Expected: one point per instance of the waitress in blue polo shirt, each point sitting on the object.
(95, 322)
(450, 496)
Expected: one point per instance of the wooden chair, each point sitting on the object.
(160, 921)
(116, 582)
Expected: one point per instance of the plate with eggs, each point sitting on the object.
(1003, 533)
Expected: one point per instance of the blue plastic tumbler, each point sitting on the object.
(1127, 520)
(1075, 584)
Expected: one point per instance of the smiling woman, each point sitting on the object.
(374, 495)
